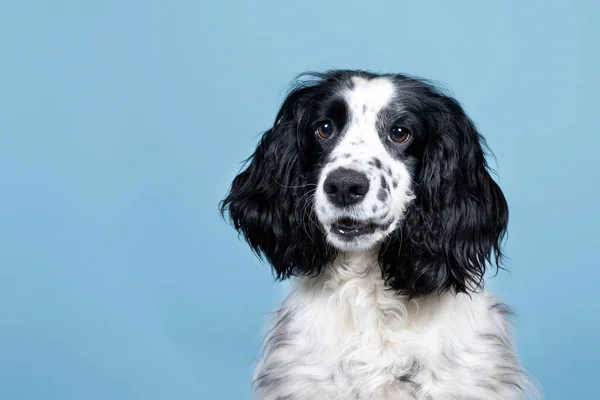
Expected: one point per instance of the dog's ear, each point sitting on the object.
(459, 217)
(270, 201)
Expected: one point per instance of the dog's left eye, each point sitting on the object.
(398, 134)
(325, 130)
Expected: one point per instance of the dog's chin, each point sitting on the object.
(354, 236)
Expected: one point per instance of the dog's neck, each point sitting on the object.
(350, 277)
(352, 265)
(352, 296)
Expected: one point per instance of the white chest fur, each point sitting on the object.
(344, 336)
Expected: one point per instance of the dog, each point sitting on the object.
(372, 191)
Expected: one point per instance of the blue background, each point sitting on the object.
(122, 124)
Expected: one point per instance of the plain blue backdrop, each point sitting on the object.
(123, 122)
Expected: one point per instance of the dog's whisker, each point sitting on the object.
(297, 186)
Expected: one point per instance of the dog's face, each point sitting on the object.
(357, 161)
(370, 149)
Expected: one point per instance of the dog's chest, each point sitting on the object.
(352, 339)
(362, 334)
(346, 337)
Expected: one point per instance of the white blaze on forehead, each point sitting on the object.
(369, 96)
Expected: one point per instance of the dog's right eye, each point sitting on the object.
(325, 130)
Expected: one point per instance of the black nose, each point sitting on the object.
(345, 187)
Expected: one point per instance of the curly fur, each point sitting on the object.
(401, 313)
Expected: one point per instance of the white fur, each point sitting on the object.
(343, 335)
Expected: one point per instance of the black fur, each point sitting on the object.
(458, 220)
(269, 202)
(453, 228)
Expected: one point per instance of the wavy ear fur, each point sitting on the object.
(269, 201)
(459, 217)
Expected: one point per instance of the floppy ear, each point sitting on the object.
(270, 201)
(459, 217)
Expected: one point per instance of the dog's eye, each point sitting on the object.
(399, 134)
(325, 130)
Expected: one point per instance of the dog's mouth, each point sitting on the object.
(347, 228)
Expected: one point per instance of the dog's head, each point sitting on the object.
(357, 161)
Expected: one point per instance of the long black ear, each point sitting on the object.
(270, 201)
(459, 217)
